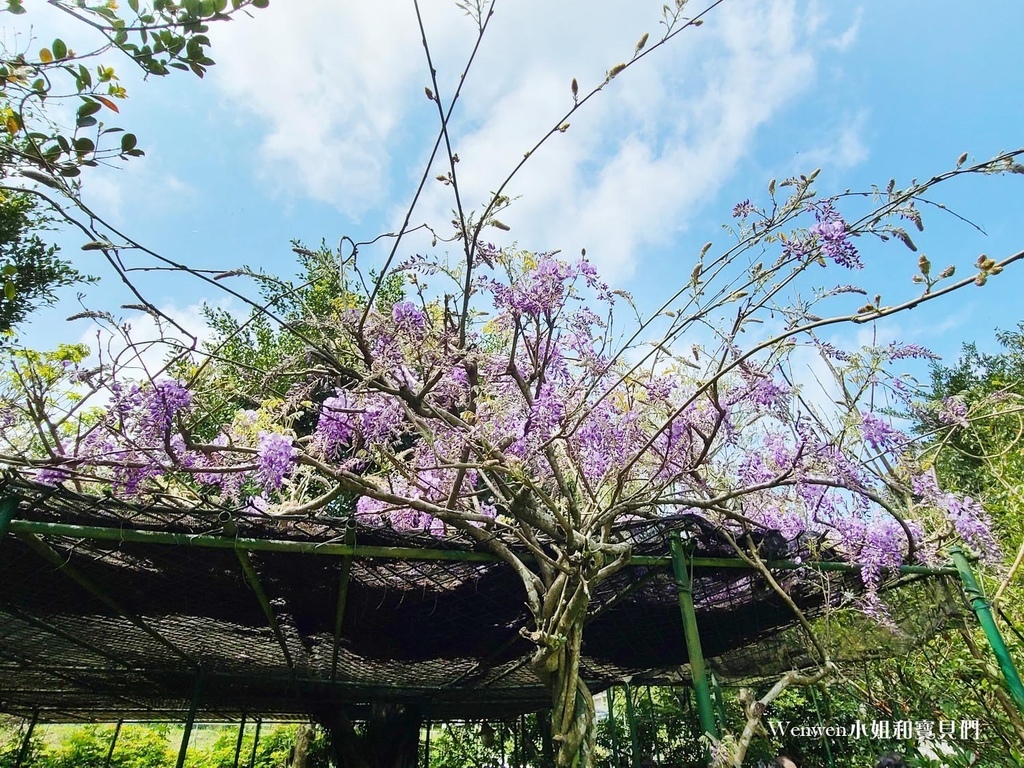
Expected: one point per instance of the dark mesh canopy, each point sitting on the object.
(99, 622)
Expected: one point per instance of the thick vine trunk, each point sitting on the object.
(557, 663)
(300, 752)
(389, 739)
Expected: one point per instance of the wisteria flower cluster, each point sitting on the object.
(519, 417)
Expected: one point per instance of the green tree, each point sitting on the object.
(31, 270)
(38, 82)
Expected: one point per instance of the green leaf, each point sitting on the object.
(128, 142)
(260, 3)
(10, 291)
(60, 50)
(89, 107)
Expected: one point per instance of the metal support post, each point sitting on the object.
(61, 563)
(655, 741)
(982, 609)
(634, 738)
(8, 506)
(684, 585)
(613, 726)
(256, 585)
(255, 743)
(190, 721)
(339, 609)
(26, 743)
(238, 741)
(716, 688)
(113, 743)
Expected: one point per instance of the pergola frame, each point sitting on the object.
(681, 561)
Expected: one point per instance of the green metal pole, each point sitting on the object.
(113, 743)
(8, 506)
(27, 741)
(398, 553)
(614, 727)
(255, 743)
(238, 741)
(982, 609)
(655, 741)
(634, 738)
(253, 579)
(831, 761)
(339, 608)
(716, 688)
(61, 564)
(190, 721)
(684, 585)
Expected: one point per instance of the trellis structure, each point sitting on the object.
(112, 611)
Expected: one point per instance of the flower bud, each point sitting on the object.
(615, 70)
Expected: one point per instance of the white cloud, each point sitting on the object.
(848, 36)
(341, 98)
(846, 147)
(139, 188)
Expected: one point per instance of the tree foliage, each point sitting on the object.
(38, 82)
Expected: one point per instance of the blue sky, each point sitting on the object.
(314, 125)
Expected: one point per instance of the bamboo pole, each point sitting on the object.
(982, 609)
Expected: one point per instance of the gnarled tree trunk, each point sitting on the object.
(300, 751)
(557, 663)
(389, 739)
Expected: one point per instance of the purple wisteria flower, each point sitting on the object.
(275, 457)
(899, 351)
(953, 411)
(969, 519)
(336, 425)
(880, 434)
(51, 475)
(743, 209)
(832, 235)
(408, 317)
